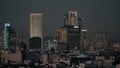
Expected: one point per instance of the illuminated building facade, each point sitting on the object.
(36, 20)
(6, 35)
(9, 35)
(36, 25)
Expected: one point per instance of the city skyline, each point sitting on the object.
(99, 15)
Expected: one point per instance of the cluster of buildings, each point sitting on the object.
(73, 35)
(72, 44)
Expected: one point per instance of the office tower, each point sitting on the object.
(69, 38)
(6, 35)
(36, 20)
(73, 37)
(36, 25)
(71, 18)
(9, 35)
(70, 33)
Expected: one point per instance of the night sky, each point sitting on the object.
(99, 15)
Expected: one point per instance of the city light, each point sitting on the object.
(59, 34)
(83, 30)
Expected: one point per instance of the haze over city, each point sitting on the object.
(99, 15)
(59, 34)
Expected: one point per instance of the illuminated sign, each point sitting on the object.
(76, 26)
(83, 30)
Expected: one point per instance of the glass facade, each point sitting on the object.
(6, 35)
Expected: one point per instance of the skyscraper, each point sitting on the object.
(71, 18)
(70, 33)
(6, 35)
(9, 36)
(36, 26)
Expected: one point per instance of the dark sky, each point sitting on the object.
(99, 15)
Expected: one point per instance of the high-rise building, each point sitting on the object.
(73, 37)
(6, 35)
(36, 20)
(70, 33)
(9, 36)
(69, 37)
(36, 25)
(71, 18)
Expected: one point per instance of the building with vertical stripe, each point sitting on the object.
(36, 20)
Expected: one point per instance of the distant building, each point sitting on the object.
(6, 35)
(12, 39)
(45, 42)
(36, 20)
(9, 36)
(84, 39)
(71, 18)
(72, 30)
(100, 40)
(14, 57)
(74, 33)
(57, 35)
(36, 24)
(84, 34)
(73, 37)
(69, 36)
(63, 35)
(52, 45)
